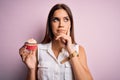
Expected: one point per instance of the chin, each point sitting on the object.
(60, 33)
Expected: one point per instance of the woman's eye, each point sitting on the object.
(55, 19)
(66, 19)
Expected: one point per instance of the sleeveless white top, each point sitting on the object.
(49, 67)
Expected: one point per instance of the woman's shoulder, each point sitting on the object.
(81, 52)
(80, 48)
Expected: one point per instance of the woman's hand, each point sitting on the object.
(66, 40)
(29, 57)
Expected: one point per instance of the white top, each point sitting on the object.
(49, 67)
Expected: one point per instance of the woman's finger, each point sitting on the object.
(60, 36)
(30, 52)
(22, 49)
(34, 52)
(23, 53)
(23, 58)
(64, 41)
(68, 32)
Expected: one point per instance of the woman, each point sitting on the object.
(59, 57)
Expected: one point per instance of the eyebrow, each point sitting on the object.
(58, 17)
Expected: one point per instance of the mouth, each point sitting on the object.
(61, 31)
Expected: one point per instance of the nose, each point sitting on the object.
(61, 23)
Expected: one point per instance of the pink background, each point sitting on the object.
(97, 28)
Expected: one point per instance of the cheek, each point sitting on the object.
(54, 27)
(68, 26)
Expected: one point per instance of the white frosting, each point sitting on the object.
(32, 41)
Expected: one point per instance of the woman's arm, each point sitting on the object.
(30, 59)
(79, 66)
(31, 75)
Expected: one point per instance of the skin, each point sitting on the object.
(60, 27)
(61, 30)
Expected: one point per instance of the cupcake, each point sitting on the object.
(31, 44)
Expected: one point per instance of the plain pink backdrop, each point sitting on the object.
(97, 28)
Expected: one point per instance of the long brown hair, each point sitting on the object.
(49, 34)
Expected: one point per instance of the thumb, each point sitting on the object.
(34, 52)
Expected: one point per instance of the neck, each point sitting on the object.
(57, 45)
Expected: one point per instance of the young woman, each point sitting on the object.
(57, 57)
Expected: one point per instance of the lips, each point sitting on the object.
(61, 31)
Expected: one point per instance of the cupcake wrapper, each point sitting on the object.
(31, 47)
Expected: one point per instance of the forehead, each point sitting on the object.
(60, 13)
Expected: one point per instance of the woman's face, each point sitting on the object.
(60, 22)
